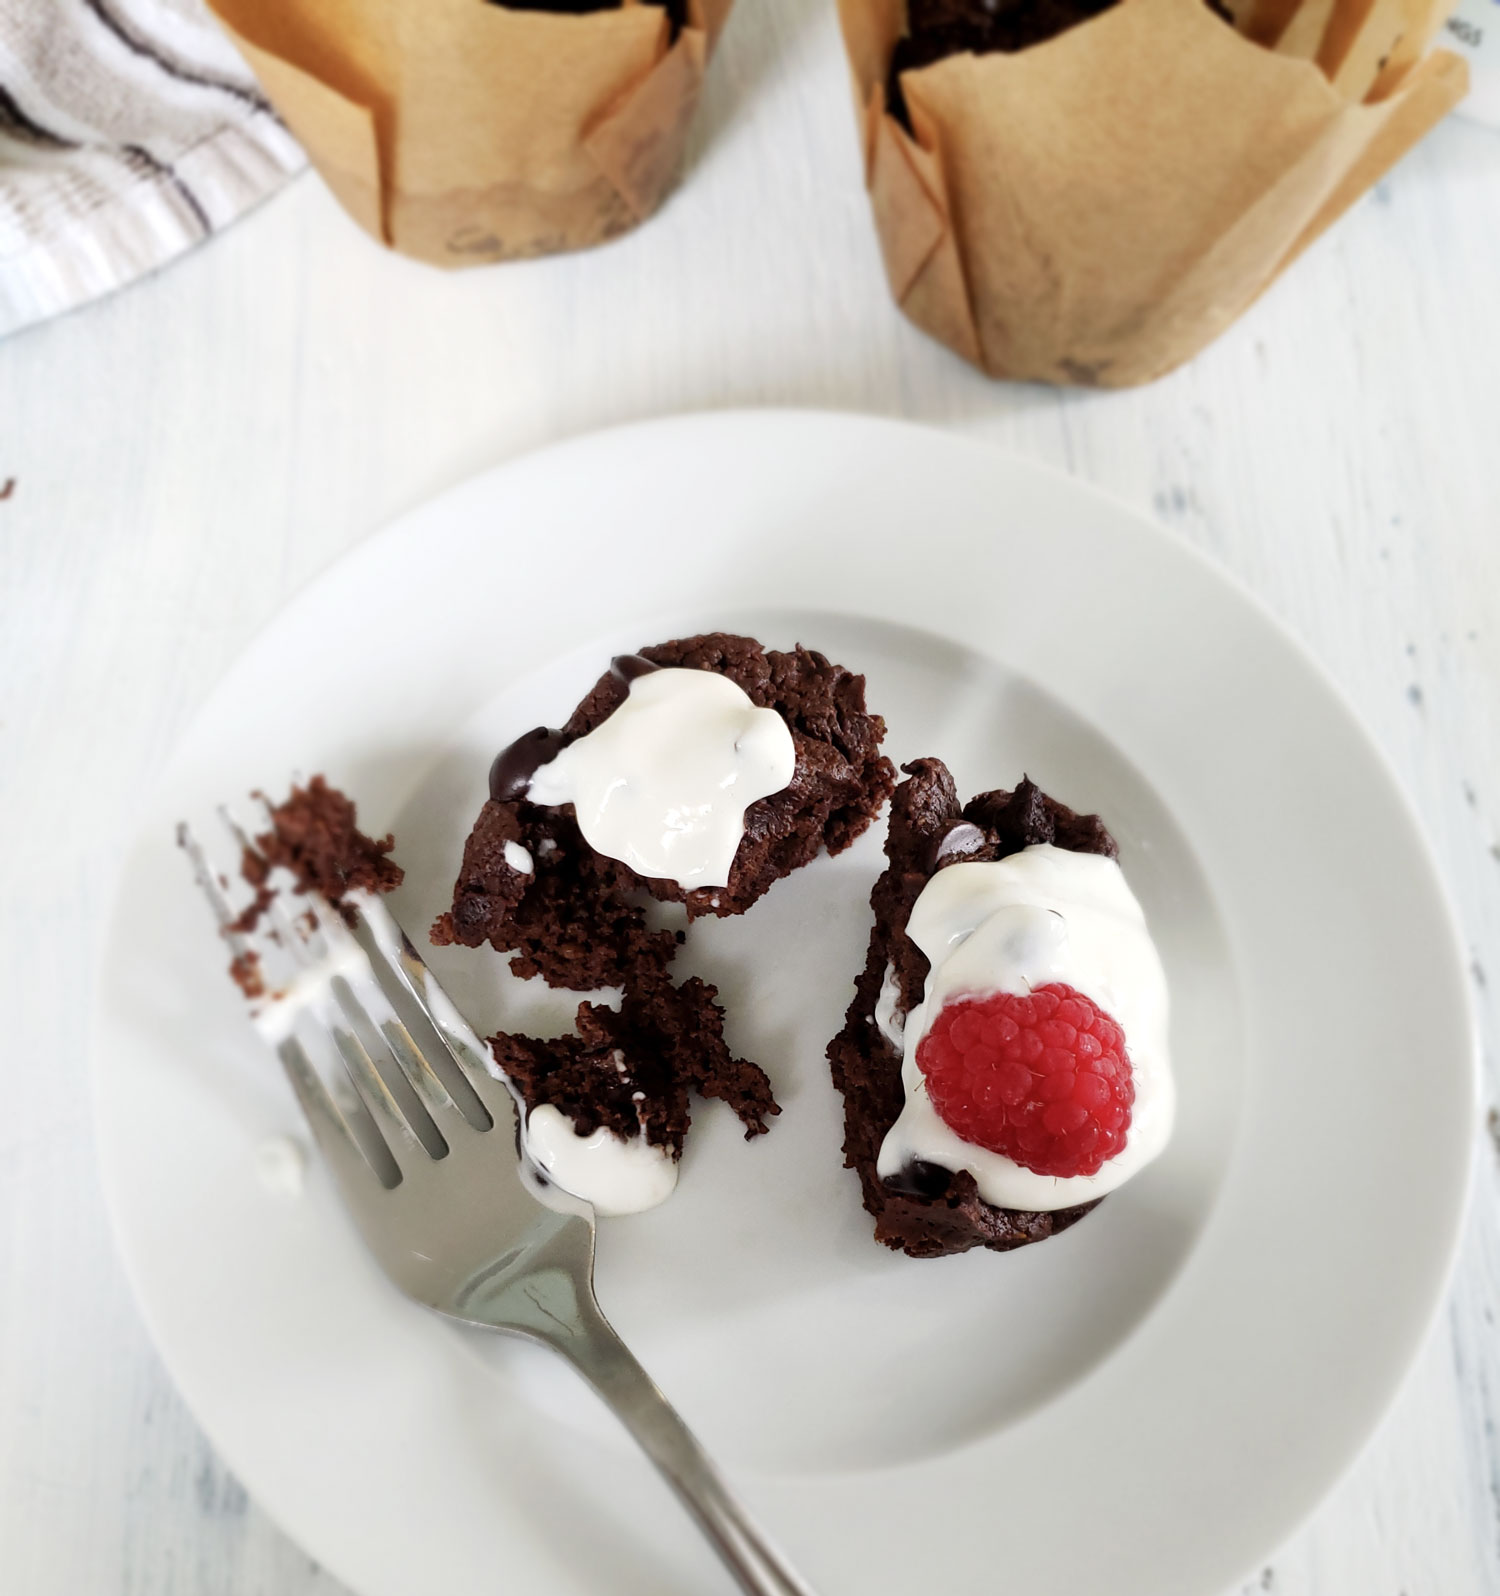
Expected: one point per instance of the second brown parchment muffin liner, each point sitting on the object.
(1096, 208)
(461, 132)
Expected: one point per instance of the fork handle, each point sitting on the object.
(608, 1365)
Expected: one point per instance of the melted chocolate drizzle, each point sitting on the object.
(511, 773)
(626, 667)
(920, 1179)
(959, 838)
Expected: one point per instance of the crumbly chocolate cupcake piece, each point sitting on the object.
(314, 836)
(930, 1211)
(574, 916)
(632, 1070)
(531, 886)
(937, 29)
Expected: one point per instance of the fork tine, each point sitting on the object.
(238, 831)
(290, 932)
(436, 1098)
(359, 996)
(352, 1166)
(417, 1093)
(249, 948)
(364, 999)
(469, 1054)
(400, 1139)
(204, 875)
(211, 888)
(369, 1130)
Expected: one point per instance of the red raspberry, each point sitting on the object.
(1044, 1079)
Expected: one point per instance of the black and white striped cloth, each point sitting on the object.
(129, 130)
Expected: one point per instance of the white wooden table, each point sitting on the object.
(188, 454)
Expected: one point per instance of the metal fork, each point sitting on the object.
(426, 1154)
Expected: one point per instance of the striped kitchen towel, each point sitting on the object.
(129, 130)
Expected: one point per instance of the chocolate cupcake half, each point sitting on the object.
(698, 771)
(1004, 1062)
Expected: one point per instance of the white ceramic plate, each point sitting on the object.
(1143, 1406)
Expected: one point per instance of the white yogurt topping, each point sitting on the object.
(1043, 915)
(889, 1015)
(519, 859)
(615, 1175)
(663, 784)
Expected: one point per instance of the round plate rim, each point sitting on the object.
(673, 431)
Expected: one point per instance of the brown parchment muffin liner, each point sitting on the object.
(462, 132)
(1097, 208)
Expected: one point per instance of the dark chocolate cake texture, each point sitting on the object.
(312, 834)
(531, 886)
